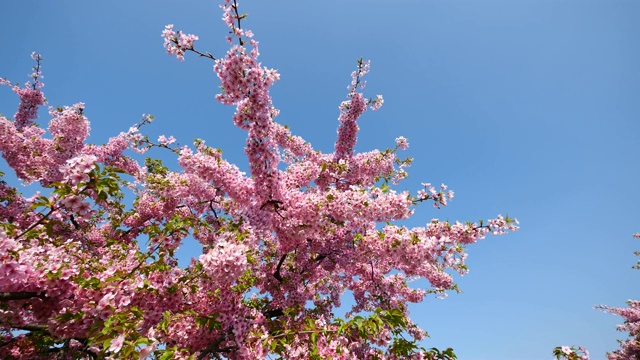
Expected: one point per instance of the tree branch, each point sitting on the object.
(43, 218)
(32, 327)
(273, 313)
(43, 329)
(276, 274)
(213, 347)
(20, 295)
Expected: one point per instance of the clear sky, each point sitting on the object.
(525, 107)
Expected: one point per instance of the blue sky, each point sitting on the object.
(525, 107)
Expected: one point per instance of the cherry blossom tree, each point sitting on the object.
(629, 348)
(85, 274)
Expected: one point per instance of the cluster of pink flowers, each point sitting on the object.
(402, 143)
(77, 169)
(225, 261)
(571, 353)
(31, 97)
(177, 43)
(69, 128)
(376, 103)
(441, 197)
(163, 140)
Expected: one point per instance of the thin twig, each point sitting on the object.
(36, 223)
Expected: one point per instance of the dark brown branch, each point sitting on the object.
(276, 274)
(273, 313)
(212, 209)
(36, 72)
(198, 203)
(238, 17)
(43, 218)
(74, 222)
(201, 54)
(20, 295)
(319, 257)
(5, 343)
(29, 327)
(275, 203)
(213, 347)
(45, 330)
(372, 279)
(276, 206)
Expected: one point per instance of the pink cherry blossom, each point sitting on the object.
(402, 143)
(116, 344)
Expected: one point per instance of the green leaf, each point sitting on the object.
(168, 354)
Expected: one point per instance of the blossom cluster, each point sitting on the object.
(76, 170)
(225, 262)
(571, 353)
(177, 43)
